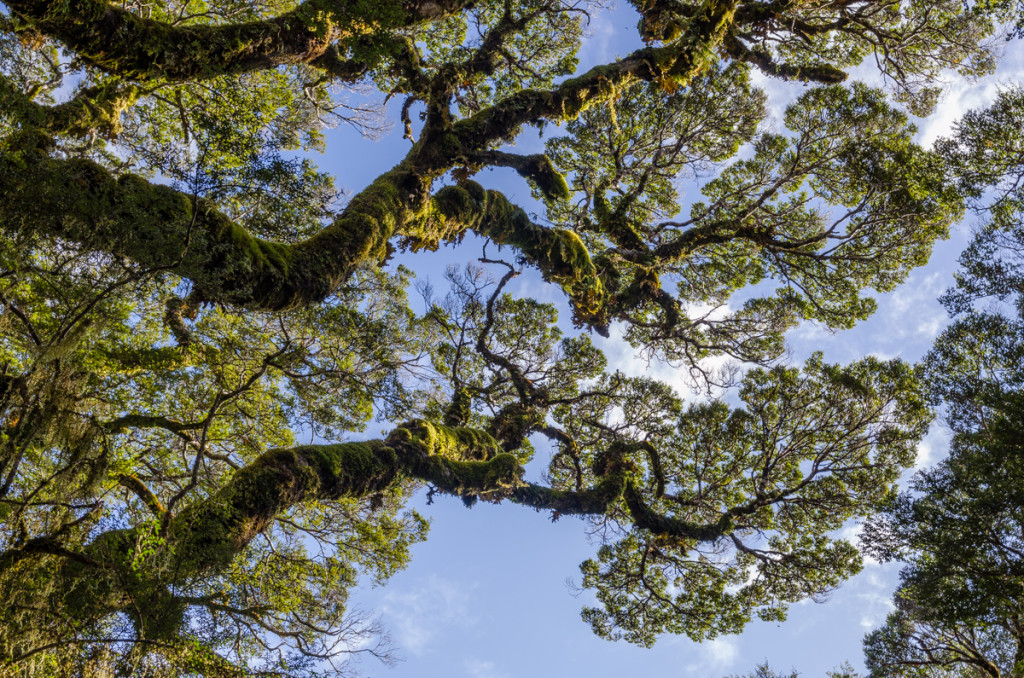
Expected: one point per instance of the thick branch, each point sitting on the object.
(823, 73)
(109, 575)
(91, 110)
(559, 254)
(120, 42)
(142, 492)
(647, 518)
(594, 501)
(536, 167)
(677, 62)
(160, 227)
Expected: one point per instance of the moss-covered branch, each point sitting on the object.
(536, 167)
(675, 64)
(120, 42)
(559, 253)
(111, 574)
(823, 73)
(146, 495)
(92, 110)
(162, 228)
(595, 501)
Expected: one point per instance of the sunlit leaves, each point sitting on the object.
(130, 396)
(847, 202)
(626, 157)
(95, 387)
(755, 492)
(912, 43)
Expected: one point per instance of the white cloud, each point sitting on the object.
(933, 447)
(477, 668)
(958, 98)
(597, 47)
(428, 612)
(963, 95)
(713, 656)
(635, 363)
(851, 532)
(875, 600)
(912, 311)
(721, 653)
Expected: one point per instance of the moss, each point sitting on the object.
(208, 535)
(157, 613)
(158, 226)
(559, 253)
(137, 48)
(92, 110)
(453, 210)
(458, 411)
(449, 442)
(352, 469)
(461, 478)
(176, 310)
(160, 358)
(563, 259)
(593, 501)
(513, 423)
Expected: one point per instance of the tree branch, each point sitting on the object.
(120, 42)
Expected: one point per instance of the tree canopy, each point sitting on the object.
(959, 607)
(185, 296)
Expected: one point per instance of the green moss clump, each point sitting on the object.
(353, 469)
(458, 411)
(513, 423)
(465, 478)
(158, 359)
(448, 442)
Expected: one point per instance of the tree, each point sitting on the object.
(960, 606)
(766, 671)
(183, 294)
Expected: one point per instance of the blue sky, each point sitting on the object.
(487, 595)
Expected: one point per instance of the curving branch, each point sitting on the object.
(120, 42)
(536, 167)
(107, 576)
(822, 73)
(674, 64)
(559, 253)
(158, 226)
(92, 110)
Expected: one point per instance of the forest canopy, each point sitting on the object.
(185, 296)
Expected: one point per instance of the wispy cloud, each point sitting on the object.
(634, 362)
(478, 668)
(875, 599)
(933, 447)
(597, 48)
(421, 616)
(713, 657)
(963, 95)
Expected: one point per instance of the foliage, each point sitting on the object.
(765, 671)
(185, 297)
(959, 605)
